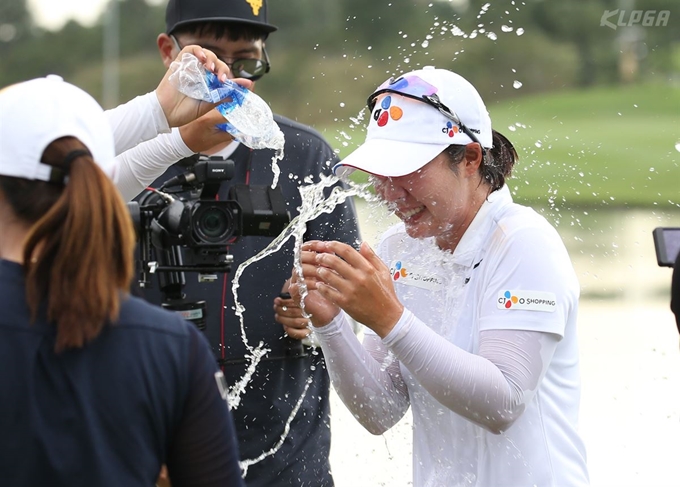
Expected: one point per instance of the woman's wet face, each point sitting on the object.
(433, 201)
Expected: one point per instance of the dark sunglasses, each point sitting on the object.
(251, 69)
(419, 89)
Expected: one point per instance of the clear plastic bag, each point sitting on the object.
(249, 118)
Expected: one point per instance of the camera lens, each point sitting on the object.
(213, 224)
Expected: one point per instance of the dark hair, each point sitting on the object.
(78, 254)
(234, 31)
(497, 162)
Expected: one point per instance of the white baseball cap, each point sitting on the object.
(409, 128)
(35, 113)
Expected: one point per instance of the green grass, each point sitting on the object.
(610, 146)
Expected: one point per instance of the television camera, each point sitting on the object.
(183, 227)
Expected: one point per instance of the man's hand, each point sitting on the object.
(202, 134)
(289, 314)
(163, 479)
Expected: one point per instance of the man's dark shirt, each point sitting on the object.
(278, 382)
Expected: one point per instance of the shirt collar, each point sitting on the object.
(477, 233)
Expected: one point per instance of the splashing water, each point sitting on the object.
(314, 204)
(245, 464)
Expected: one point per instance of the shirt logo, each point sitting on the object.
(527, 300)
(398, 271)
(422, 278)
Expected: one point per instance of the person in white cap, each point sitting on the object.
(98, 387)
(471, 300)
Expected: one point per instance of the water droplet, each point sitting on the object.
(425, 44)
(342, 104)
(651, 169)
(538, 143)
(457, 31)
(511, 128)
(677, 147)
(519, 31)
(516, 84)
(506, 28)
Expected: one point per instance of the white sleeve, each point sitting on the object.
(140, 119)
(490, 388)
(138, 167)
(366, 377)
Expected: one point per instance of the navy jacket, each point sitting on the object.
(141, 394)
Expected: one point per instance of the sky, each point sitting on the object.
(53, 14)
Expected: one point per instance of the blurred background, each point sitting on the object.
(587, 90)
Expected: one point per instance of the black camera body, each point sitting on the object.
(183, 227)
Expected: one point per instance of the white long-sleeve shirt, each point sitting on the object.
(145, 144)
(485, 354)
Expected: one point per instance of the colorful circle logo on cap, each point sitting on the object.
(450, 129)
(386, 111)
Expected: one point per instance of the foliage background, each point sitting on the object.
(595, 119)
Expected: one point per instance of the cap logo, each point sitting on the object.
(450, 129)
(386, 111)
(256, 5)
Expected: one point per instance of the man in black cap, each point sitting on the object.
(236, 30)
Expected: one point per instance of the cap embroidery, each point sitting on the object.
(450, 129)
(386, 111)
(256, 5)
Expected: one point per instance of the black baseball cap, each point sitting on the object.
(250, 12)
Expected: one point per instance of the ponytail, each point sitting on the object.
(497, 162)
(78, 254)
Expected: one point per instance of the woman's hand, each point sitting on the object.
(180, 109)
(358, 282)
